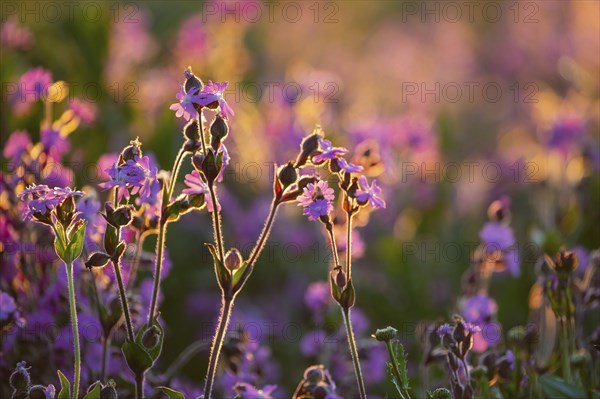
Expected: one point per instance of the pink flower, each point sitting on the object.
(185, 107)
(197, 186)
(215, 92)
(316, 200)
(328, 152)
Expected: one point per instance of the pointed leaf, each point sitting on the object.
(336, 292)
(347, 298)
(223, 274)
(76, 240)
(171, 393)
(239, 275)
(138, 359)
(65, 387)
(94, 393)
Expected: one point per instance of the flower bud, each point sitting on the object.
(150, 338)
(287, 174)
(233, 259)
(132, 152)
(191, 131)
(122, 216)
(340, 278)
(191, 80)
(191, 146)
(97, 259)
(20, 379)
(309, 145)
(196, 200)
(218, 131)
(314, 374)
(385, 334)
(109, 391)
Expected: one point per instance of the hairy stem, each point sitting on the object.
(160, 244)
(355, 361)
(176, 167)
(264, 234)
(216, 216)
(404, 393)
(334, 250)
(349, 246)
(217, 344)
(124, 302)
(75, 326)
(105, 346)
(201, 126)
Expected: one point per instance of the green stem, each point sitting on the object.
(201, 126)
(176, 167)
(334, 250)
(124, 302)
(74, 324)
(160, 244)
(396, 371)
(566, 364)
(216, 216)
(349, 246)
(226, 305)
(139, 386)
(264, 234)
(354, 353)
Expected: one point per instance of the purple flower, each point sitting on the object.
(316, 200)
(472, 328)
(132, 177)
(85, 111)
(349, 167)
(14, 35)
(479, 309)
(498, 238)
(247, 391)
(18, 143)
(55, 143)
(328, 152)
(444, 329)
(369, 194)
(197, 186)
(33, 84)
(185, 107)
(215, 92)
(42, 199)
(8, 306)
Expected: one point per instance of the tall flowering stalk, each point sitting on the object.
(55, 207)
(317, 202)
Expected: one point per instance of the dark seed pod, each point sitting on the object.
(20, 379)
(37, 392)
(287, 174)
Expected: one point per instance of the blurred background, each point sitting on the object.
(453, 106)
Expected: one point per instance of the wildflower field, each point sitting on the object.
(300, 199)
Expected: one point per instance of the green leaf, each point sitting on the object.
(556, 388)
(223, 274)
(347, 297)
(94, 393)
(336, 292)
(171, 393)
(239, 275)
(138, 359)
(76, 239)
(65, 387)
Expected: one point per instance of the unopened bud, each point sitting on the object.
(218, 131)
(385, 334)
(20, 379)
(233, 259)
(97, 259)
(37, 392)
(109, 391)
(150, 338)
(191, 131)
(191, 81)
(287, 174)
(132, 152)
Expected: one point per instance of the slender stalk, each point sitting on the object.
(396, 370)
(217, 344)
(139, 386)
(355, 361)
(349, 245)
(75, 326)
(334, 250)
(216, 216)
(124, 302)
(264, 234)
(176, 167)
(566, 364)
(201, 126)
(160, 244)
